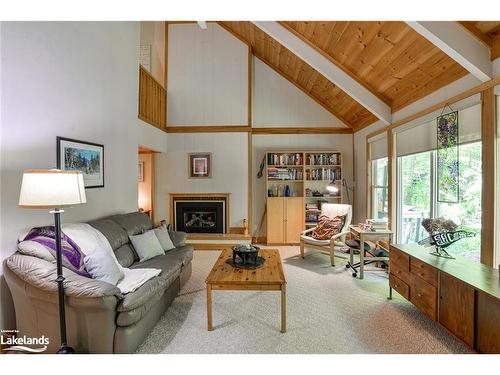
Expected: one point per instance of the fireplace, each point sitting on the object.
(199, 213)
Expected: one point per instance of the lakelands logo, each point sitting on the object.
(11, 342)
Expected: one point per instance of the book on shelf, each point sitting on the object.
(284, 159)
(324, 159)
(280, 173)
(321, 174)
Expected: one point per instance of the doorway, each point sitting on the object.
(146, 181)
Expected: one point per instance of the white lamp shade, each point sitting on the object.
(332, 188)
(51, 188)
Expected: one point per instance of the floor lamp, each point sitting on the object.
(54, 189)
(333, 188)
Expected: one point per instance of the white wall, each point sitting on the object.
(229, 171)
(71, 79)
(151, 137)
(279, 103)
(446, 92)
(263, 143)
(153, 33)
(207, 76)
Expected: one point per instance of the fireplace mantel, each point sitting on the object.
(201, 197)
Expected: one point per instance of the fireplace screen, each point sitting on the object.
(200, 216)
(199, 219)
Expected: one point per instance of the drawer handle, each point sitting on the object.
(420, 274)
(419, 295)
(396, 285)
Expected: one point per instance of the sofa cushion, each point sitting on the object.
(178, 238)
(135, 305)
(126, 255)
(114, 233)
(152, 288)
(180, 255)
(134, 223)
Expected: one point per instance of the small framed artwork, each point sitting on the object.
(200, 165)
(140, 172)
(82, 156)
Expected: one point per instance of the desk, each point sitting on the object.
(367, 235)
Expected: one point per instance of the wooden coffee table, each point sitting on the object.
(269, 277)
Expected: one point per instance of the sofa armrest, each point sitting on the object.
(41, 275)
(178, 238)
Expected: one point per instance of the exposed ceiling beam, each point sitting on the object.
(459, 44)
(332, 72)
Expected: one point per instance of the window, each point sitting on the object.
(415, 192)
(379, 199)
(418, 199)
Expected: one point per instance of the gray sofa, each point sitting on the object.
(99, 318)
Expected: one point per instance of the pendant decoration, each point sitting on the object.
(448, 166)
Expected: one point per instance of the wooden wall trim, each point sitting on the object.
(368, 176)
(256, 131)
(250, 143)
(165, 78)
(375, 133)
(207, 129)
(391, 182)
(488, 137)
(311, 130)
(472, 91)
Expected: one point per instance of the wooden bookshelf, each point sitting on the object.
(303, 176)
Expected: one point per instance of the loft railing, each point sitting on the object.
(152, 100)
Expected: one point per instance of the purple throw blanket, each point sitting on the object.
(72, 256)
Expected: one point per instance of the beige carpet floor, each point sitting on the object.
(328, 311)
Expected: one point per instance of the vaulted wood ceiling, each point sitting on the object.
(301, 74)
(389, 58)
(486, 31)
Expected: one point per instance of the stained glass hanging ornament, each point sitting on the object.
(448, 166)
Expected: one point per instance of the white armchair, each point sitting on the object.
(331, 210)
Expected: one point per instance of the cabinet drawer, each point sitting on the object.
(399, 286)
(399, 258)
(399, 272)
(424, 271)
(424, 296)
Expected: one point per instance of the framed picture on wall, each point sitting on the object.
(82, 156)
(200, 165)
(140, 172)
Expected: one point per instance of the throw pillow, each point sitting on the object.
(35, 249)
(146, 245)
(327, 227)
(164, 238)
(102, 266)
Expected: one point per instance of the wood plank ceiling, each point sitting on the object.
(389, 58)
(301, 74)
(486, 31)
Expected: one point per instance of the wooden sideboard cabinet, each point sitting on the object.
(461, 295)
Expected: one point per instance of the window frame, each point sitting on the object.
(434, 204)
(374, 186)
